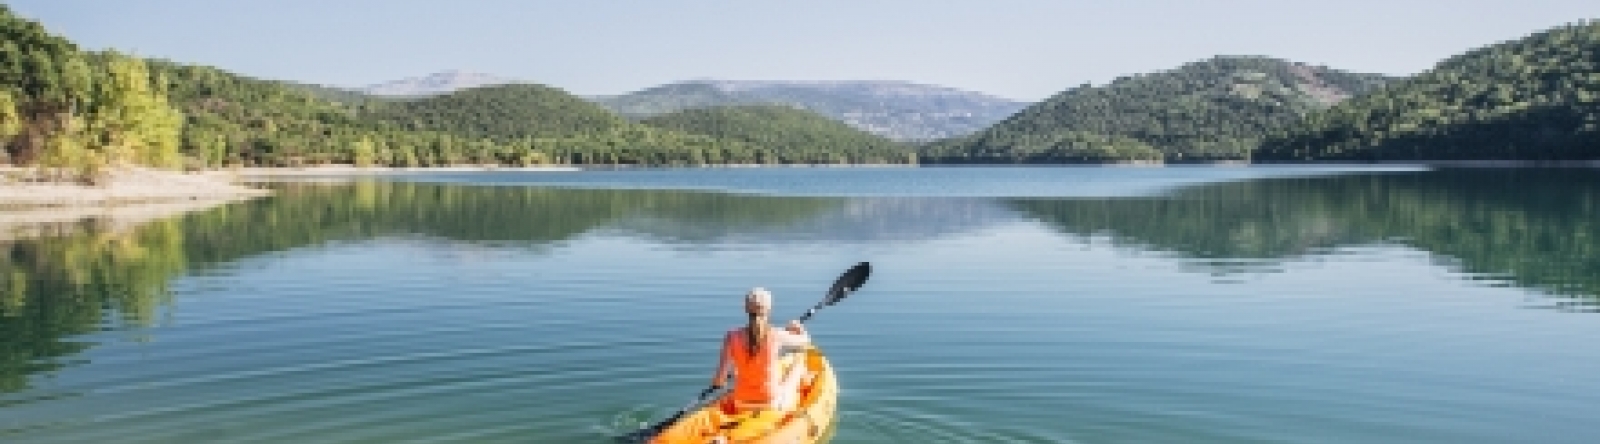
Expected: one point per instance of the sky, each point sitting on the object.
(1016, 49)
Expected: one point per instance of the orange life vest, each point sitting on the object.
(753, 379)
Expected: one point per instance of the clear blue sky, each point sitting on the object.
(1021, 49)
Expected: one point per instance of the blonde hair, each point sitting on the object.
(756, 330)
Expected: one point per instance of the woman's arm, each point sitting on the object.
(795, 335)
(721, 374)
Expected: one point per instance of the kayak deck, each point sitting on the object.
(813, 413)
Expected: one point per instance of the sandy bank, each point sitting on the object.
(128, 198)
(123, 187)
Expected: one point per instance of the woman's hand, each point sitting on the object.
(796, 328)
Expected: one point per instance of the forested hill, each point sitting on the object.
(900, 111)
(85, 112)
(235, 119)
(786, 130)
(674, 97)
(1536, 98)
(79, 113)
(1214, 109)
(503, 112)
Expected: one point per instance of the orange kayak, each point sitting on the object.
(809, 421)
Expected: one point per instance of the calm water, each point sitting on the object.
(1007, 305)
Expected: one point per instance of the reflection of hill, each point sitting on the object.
(883, 219)
(55, 288)
(305, 213)
(1537, 228)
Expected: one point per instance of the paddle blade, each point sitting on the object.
(850, 281)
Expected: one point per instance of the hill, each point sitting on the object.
(674, 97)
(1214, 109)
(501, 112)
(900, 111)
(786, 130)
(239, 120)
(1535, 98)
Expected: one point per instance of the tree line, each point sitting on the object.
(1533, 98)
(76, 113)
(79, 113)
(1536, 98)
(1214, 109)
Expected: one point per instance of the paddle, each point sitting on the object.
(848, 282)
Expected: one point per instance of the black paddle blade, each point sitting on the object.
(851, 280)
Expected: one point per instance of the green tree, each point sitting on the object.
(364, 153)
(10, 119)
(135, 122)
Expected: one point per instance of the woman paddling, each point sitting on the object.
(751, 353)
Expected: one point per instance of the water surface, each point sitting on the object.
(1008, 305)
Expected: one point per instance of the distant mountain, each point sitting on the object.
(900, 111)
(1534, 98)
(435, 84)
(781, 128)
(1212, 109)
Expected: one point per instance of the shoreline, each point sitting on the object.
(253, 174)
(133, 186)
(355, 170)
(128, 186)
(134, 196)
(129, 197)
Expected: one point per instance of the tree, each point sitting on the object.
(363, 152)
(133, 121)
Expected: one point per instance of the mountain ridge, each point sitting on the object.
(1205, 110)
(1532, 98)
(442, 82)
(899, 110)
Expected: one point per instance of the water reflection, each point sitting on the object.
(850, 220)
(97, 279)
(1529, 228)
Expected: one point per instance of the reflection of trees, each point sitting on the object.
(58, 287)
(55, 288)
(307, 213)
(852, 220)
(1537, 228)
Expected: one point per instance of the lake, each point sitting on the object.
(1007, 305)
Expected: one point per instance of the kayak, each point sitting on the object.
(809, 421)
(807, 413)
